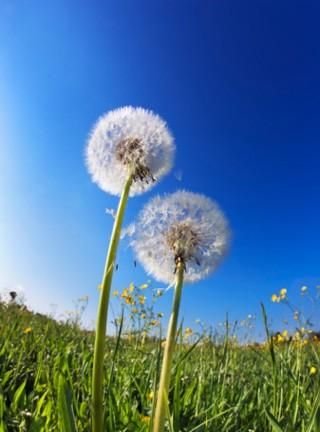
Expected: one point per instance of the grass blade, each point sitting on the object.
(66, 417)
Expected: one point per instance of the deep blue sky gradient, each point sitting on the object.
(238, 84)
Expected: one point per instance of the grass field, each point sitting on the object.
(217, 384)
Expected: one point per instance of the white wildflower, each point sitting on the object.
(181, 226)
(129, 141)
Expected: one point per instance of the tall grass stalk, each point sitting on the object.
(98, 369)
(162, 399)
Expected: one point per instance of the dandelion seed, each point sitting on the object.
(129, 141)
(112, 212)
(178, 175)
(185, 226)
(304, 289)
(128, 231)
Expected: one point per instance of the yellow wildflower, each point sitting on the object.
(145, 419)
(150, 395)
(125, 293)
(27, 330)
(131, 287)
(285, 333)
(129, 300)
(154, 323)
(188, 332)
(275, 298)
(283, 293)
(297, 336)
(142, 299)
(134, 310)
(313, 370)
(279, 338)
(115, 293)
(144, 286)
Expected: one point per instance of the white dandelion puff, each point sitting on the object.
(129, 141)
(181, 226)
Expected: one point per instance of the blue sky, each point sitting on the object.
(238, 84)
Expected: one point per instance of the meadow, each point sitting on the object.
(217, 383)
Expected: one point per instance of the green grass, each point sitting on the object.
(45, 380)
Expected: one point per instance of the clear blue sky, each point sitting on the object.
(238, 84)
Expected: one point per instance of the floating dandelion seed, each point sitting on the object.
(182, 226)
(129, 141)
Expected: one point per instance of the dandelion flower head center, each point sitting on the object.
(130, 153)
(183, 240)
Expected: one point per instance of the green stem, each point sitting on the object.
(162, 400)
(98, 370)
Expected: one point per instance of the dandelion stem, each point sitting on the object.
(98, 370)
(162, 400)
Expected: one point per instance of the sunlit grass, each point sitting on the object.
(217, 384)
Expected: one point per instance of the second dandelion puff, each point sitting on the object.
(181, 237)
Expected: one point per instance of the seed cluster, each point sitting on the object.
(183, 240)
(130, 152)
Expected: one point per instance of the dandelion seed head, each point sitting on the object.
(129, 141)
(181, 226)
